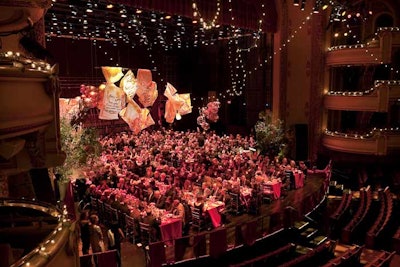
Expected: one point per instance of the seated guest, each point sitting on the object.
(123, 207)
(154, 224)
(150, 195)
(303, 167)
(171, 192)
(153, 185)
(187, 185)
(206, 190)
(159, 200)
(168, 203)
(224, 196)
(178, 209)
(216, 190)
(199, 202)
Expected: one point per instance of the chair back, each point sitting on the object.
(145, 233)
(130, 228)
(197, 218)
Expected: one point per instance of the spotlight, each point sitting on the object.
(324, 7)
(296, 2)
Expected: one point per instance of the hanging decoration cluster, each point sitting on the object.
(208, 113)
(132, 100)
(176, 105)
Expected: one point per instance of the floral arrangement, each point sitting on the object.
(210, 113)
(80, 146)
(90, 95)
(270, 135)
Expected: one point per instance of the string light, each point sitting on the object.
(23, 62)
(377, 85)
(374, 43)
(374, 132)
(50, 246)
(207, 25)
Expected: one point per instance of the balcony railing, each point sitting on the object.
(379, 142)
(377, 51)
(375, 99)
(58, 246)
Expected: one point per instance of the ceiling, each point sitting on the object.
(172, 23)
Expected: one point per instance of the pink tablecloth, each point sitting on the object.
(171, 229)
(276, 188)
(215, 217)
(213, 210)
(298, 179)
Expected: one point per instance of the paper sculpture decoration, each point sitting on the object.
(114, 97)
(186, 108)
(129, 84)
(146, 88)
(136, 117)
(176, 105)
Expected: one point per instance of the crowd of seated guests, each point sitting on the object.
(165, 166)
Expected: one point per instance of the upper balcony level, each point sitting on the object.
(29, 112)
(35, 233)
(377, 51)
(380, 142)
(375, 99)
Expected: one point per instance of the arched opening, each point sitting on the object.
(384, 20)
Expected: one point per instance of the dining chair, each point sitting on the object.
(198, 221)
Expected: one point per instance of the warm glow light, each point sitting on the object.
(110, 6)
(138, 11)
(324, 7)
(167, 17)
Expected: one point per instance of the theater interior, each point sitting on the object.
(280, 117)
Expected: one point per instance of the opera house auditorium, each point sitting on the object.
(226, 133)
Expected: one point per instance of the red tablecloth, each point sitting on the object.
(213, 209)
(276, 188)
(215, 216)
(298, 179)
(171, 229)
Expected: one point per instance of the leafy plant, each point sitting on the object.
(80, 146)
(270, 135)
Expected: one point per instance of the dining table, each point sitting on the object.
(214, 209)
(276, 185)
(298, 178)
(171, 228)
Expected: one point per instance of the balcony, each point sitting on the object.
(378, 51)
(38, 234)
(375, 99)
(380, 142)
(29, 134)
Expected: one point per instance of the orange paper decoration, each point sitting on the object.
(146, 88)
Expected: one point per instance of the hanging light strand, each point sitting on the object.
(210, 24)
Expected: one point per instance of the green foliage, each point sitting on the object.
(80, 146)
(270, 136)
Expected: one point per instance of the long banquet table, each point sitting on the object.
(171, 228)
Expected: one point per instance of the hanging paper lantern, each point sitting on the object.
(114, 97)
(129, 84)
(146, 88)
(176, 105)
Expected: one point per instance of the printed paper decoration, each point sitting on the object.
(176, 105)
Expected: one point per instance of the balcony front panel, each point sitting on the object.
(353, 103)
(355, 56)
(366, 146)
